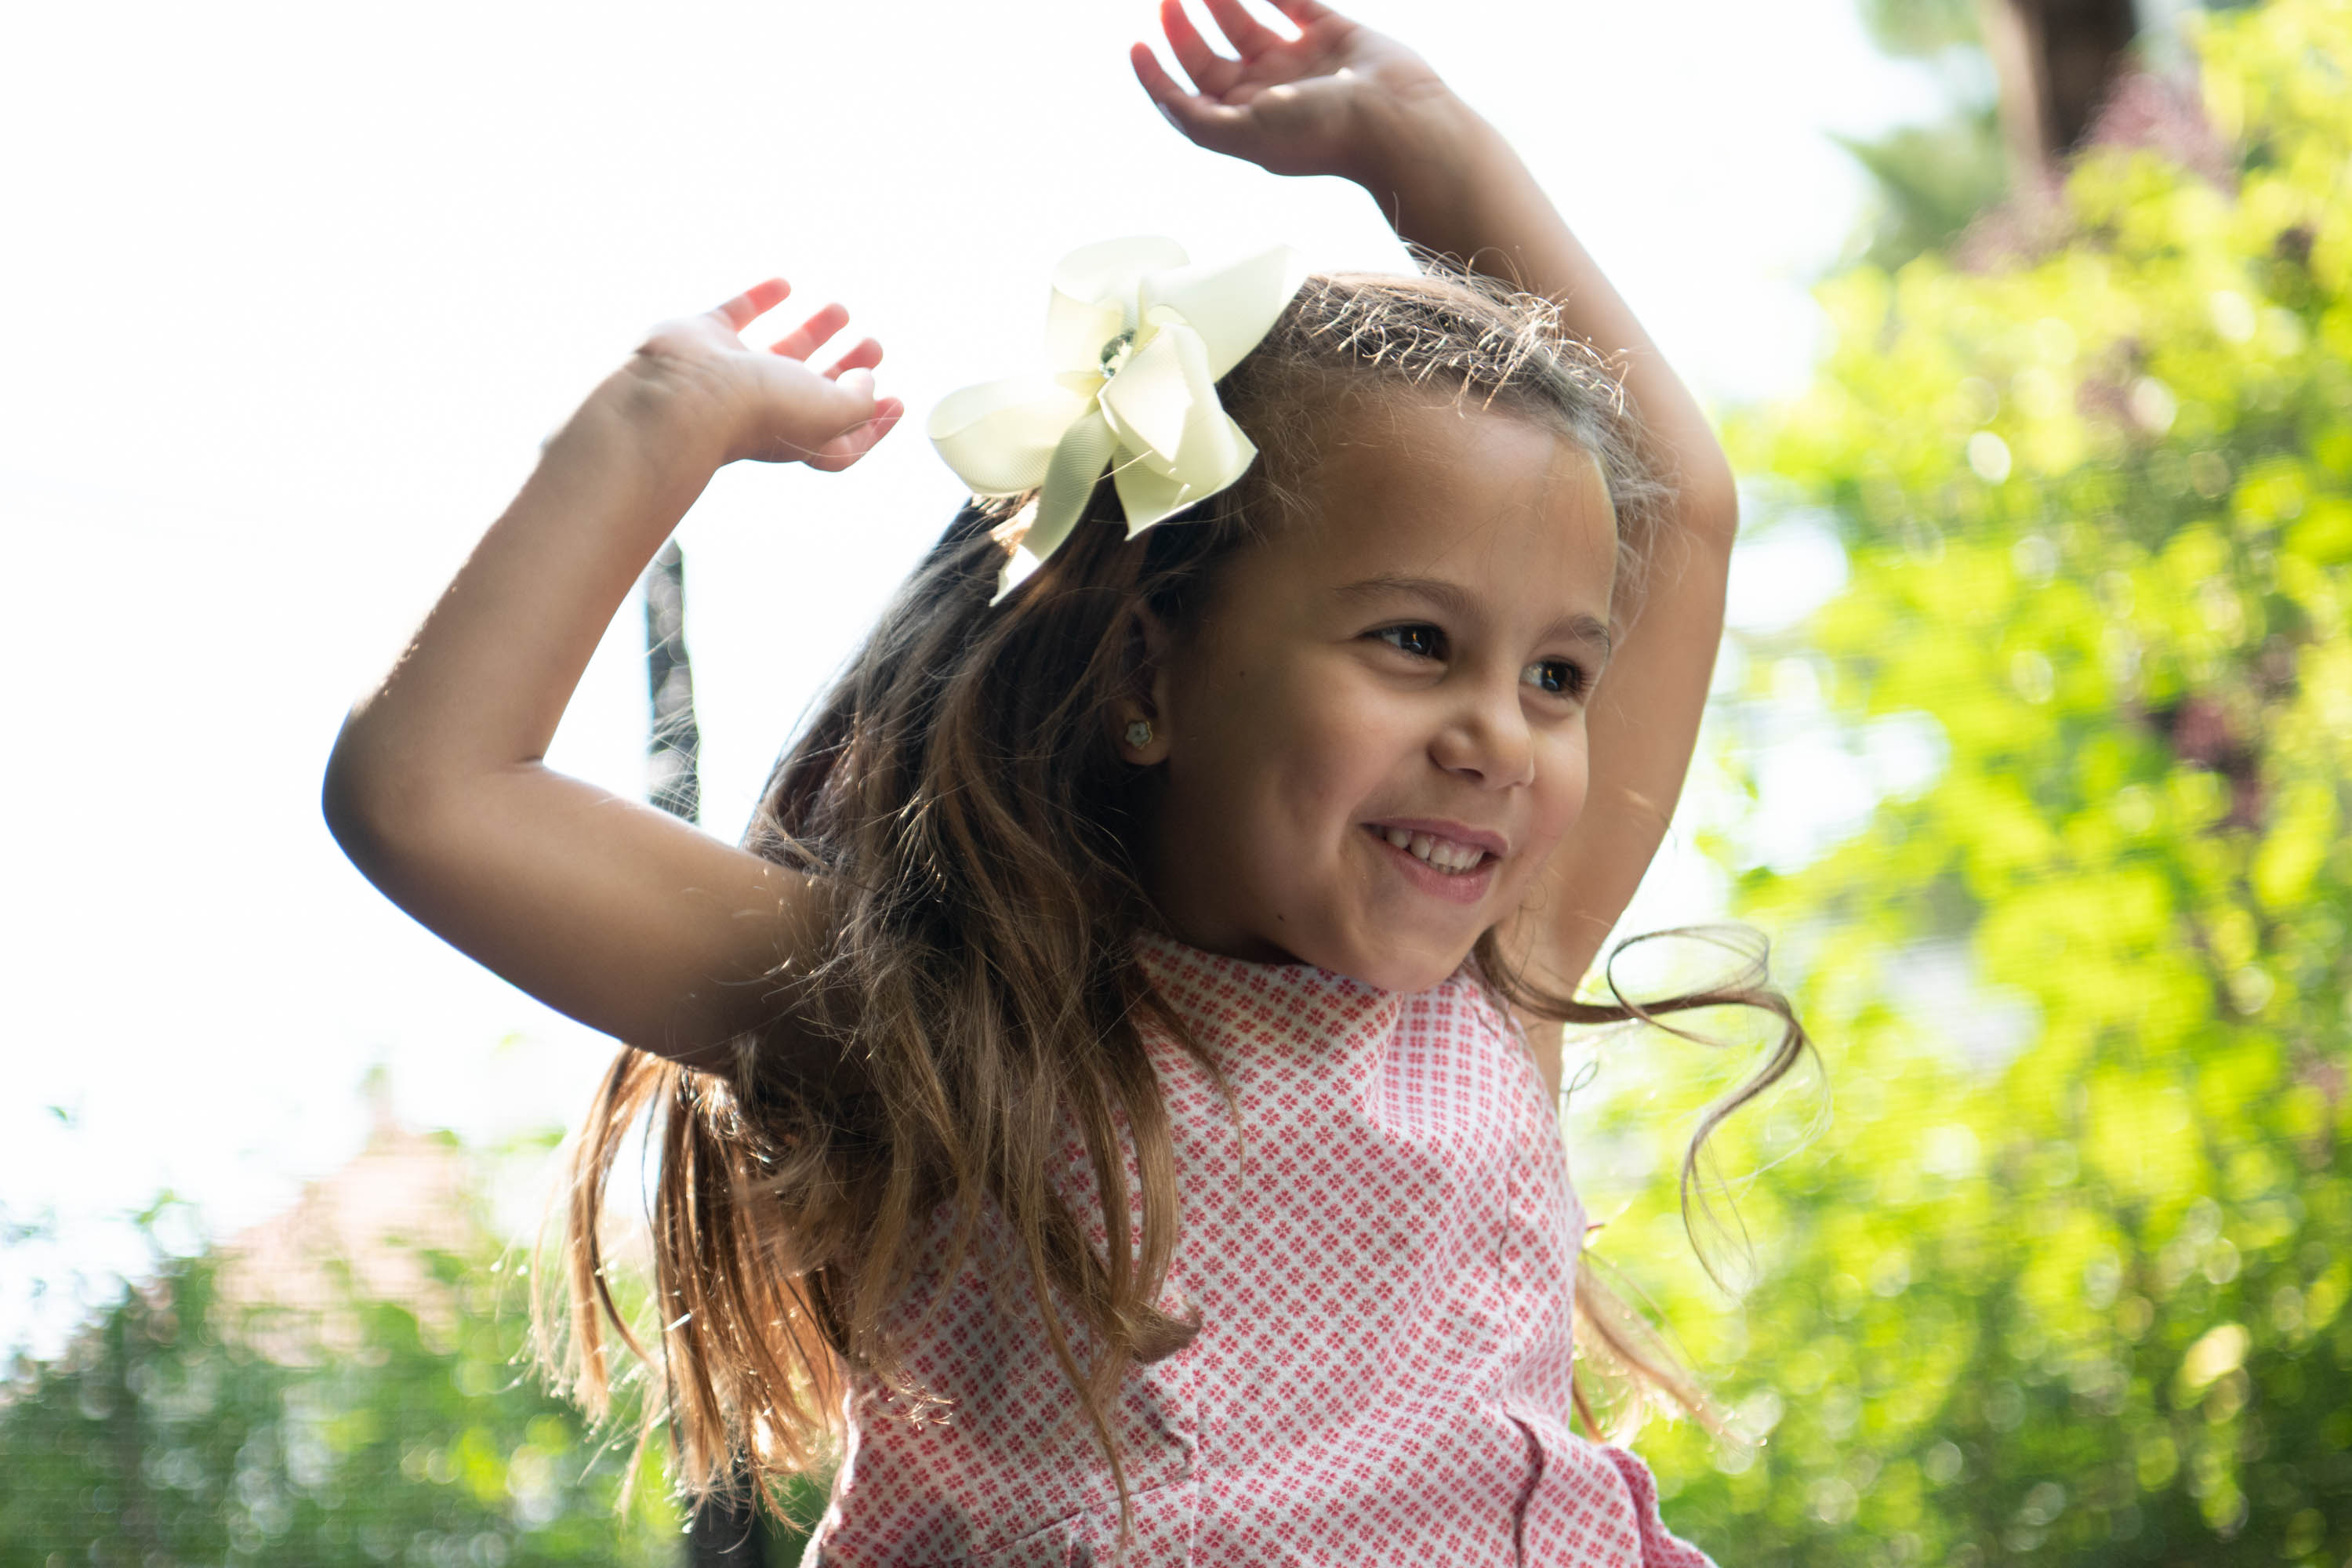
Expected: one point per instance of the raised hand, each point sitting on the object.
(1310, 105)
(772, 405)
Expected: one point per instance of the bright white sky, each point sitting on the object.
(296, 290)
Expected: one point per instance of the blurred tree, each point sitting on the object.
(1932, 181)
(2023, 83)
(2072, 1288)
(1933, 177)
(1920, 28)
(191, 1423)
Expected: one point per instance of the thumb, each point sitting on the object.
(851, 398)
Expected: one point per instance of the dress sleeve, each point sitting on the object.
(1659, 1547)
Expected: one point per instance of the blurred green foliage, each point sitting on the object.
(1933, 177)
(1919, 27)
(180, 1427)
(2079, 1295)
(1931, 181)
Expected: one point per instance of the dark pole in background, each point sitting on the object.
(726, 1531)
(675, 746)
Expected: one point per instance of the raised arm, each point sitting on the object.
(607, 910)
(1342, 99)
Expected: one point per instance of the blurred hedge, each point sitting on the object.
(2076, 1295)
(189, 1424)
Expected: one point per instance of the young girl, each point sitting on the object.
(1108, 1104)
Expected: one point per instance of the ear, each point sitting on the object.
(1142, 699)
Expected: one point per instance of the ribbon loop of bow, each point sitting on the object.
(1136, 340)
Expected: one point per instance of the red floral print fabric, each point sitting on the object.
(1379, 1238)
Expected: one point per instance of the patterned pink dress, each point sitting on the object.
(1381, 1266)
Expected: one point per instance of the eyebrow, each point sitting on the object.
(1456, 599)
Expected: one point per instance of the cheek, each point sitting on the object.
(1340, 734)
(1313, 741)
(1263, 771)
(1564, 778)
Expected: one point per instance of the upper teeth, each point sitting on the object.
(1442, 853)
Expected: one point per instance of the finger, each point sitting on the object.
(1247, 34)
(1211, 72)
(753, 303)
(1304, 14)
(1205, 121)
(851, 445)
(864, 356)
(840, 407)
(810, 335)
(1165, 91)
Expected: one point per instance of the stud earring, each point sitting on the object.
(1139, 734)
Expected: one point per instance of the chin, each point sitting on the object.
(1408, 969)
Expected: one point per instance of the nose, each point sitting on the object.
(1487, 738)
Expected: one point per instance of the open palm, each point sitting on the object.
(779, 408)
(1292, 106)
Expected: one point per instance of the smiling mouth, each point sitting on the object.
(1448, 856)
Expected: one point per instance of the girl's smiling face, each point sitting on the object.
(1375, 734)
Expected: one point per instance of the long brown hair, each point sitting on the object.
(959, 802)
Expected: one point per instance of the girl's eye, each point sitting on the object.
(1422, 642)
(1557, 677)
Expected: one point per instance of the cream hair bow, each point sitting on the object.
(1136, 340)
